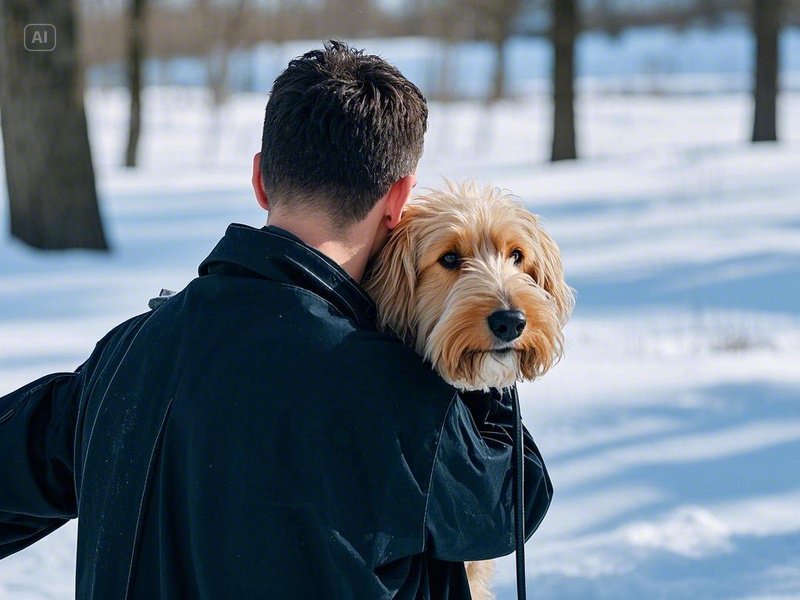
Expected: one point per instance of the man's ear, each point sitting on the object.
(258, 183)
(396, 199)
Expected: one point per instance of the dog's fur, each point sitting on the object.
(506, 261)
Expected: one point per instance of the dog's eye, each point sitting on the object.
(451, 260)
(516, 256)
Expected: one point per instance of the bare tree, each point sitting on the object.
(564, 31)
(136, 40)
(498, 18)
(51, 189)
(223, 24)
(446, 22)
(767, 27)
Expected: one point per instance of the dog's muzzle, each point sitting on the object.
(507, 325)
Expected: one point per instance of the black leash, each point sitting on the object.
(518, 489)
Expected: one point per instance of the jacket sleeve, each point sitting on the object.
(470, 512)
(37, 491)
(37, 451)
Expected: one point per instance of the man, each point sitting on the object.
(254, 436)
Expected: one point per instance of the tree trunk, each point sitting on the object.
(564, 32)
(135, 58)
(499, 75)
(499, 15)
(766, 26)
(51, 190)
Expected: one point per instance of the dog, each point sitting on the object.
(472, 282)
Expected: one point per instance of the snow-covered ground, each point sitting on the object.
(672, 426)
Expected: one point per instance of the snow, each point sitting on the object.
(671, 427)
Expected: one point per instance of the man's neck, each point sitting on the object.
(350, 248)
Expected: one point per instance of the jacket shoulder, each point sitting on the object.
(383, 358)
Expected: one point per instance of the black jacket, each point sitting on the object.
(256, 437)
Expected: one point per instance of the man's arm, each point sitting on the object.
(470, 512)
(37, 453)
(37, 490)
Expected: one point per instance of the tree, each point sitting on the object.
(564, 30)
(51, 189)
(136, 40)
(225, 24)
(498, 17)
(766, 27)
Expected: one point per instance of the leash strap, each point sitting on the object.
(518, 490)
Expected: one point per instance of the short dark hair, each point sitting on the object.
(340, 128)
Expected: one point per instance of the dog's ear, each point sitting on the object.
(392, 280)
(546, 268)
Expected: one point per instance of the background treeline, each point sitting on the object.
(49, 173)
(191, 27)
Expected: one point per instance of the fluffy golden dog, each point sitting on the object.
(473, 283)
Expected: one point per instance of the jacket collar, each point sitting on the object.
(276, 254)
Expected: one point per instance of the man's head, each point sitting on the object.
(343, 131)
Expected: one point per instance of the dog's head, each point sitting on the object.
(475, 285)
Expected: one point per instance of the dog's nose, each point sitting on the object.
(507, 325)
